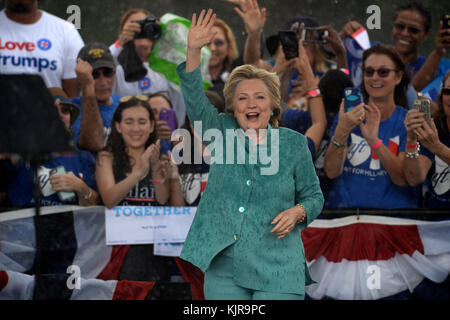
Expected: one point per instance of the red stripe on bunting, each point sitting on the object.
(132, 290)
(112, 269)
(361, 241)
(3, 279)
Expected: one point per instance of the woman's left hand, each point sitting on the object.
(286, 221)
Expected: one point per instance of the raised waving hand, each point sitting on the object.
(200, 34)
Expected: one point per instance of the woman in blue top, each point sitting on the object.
(435, 136)
(367, 148)
(246, 232)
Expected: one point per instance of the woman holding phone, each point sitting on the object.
(369, 142)
(436, 138)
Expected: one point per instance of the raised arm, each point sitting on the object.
(200, 34)
(254, 20)
(198, 106)
(428, 71)
(316, 107)
(91, 128)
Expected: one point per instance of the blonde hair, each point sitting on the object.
(247, 72)
(232, 53)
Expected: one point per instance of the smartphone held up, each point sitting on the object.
(424, 106)
(352, 98)
(167, 115)
(289, 42)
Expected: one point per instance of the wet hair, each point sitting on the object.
(116, 145)
(391, 53)
(331, 86)
(420, 9)
(247, 72)
(440, 116)
(232, 46)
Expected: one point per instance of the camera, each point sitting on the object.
(314, 35)
(150, 29)
(446, 21)
(289, 43)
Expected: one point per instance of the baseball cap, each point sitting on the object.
(98, 55)
(58, 93)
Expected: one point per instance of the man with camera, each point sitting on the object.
(139, 31)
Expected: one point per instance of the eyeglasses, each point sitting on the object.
(107, 73)
(412, 30)
(382, 72)
(128, 98)
(445, 91)
(219, 42)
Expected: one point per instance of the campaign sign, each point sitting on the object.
(167, 249)
(145, 225)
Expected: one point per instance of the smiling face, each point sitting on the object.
(135, 127)
(218, 47)
(408, 32)
(380, 87)
(252, 104)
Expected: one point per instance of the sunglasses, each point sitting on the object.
(445, 91)
(128, 98)
(382, 72)
(412, 30)
(107, 73)
(219, 43)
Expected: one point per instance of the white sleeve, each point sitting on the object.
(73, 44)
(115, 51)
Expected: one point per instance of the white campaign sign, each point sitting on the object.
(145, 225)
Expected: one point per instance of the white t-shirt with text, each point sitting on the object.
(48, 47)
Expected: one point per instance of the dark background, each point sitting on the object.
(100, 19)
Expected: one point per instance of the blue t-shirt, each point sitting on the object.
(300, 121)
(433, 88)
(106, 112)
(20, 186)
(364, 183)
(438, 179)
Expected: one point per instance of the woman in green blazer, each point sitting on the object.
(262, 189)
